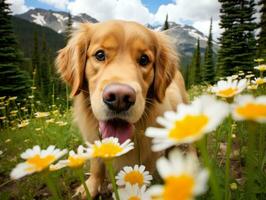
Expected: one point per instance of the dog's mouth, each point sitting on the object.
(118, 128)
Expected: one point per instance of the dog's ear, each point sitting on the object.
(71, 60)
(166, 65)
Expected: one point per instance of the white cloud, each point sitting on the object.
(204, 27)
(193, 10)
(198, 12)
(17, 6)
(112, 9)
(59, 4)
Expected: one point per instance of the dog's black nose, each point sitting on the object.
(119, 97)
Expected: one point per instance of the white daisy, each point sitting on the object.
(132, 176)
(252, 87)
(261, 68)
(48, 121)
(36, 160)
(259, 60)
(259, 81)
(74, 160)
(189, 124)
(109, 148)
(133, 192)
(247, 107)
(23, 123)
(234, 76)
(41, 114)
(182, 175)
(12, 98)
(249, 76)
(229, 88)
(61, 123)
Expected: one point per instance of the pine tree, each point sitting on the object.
(36, 55)
(36, 60)
(262, 35)
(68, 29)
(237, 42)
(166, 23)
(45, 71)
(194, 70)
(197, 63)
(208, 72)
(13, 81)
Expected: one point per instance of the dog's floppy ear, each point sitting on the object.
(166, 65)
(71, 60)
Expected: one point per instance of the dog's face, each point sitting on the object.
(122, 65)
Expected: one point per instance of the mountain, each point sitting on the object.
(25, 31)
(54, 19)
(185, 38)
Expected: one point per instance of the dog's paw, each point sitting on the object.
(93, 185)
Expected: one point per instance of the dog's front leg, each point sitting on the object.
(94, 182)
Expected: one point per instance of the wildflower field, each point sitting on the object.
(42, 155)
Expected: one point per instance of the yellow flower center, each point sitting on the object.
(178, 187)
(76, 161)
(106, 150)
(134, 198)
(189, 126)
(40, 163)
(262, 67)
(252, 111)
(259, 81)
(229, 92)
(134, 177)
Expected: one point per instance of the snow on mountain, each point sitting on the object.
(53, 19)
(194, 34)
(38, 19)
(185, 37)
(60, 18)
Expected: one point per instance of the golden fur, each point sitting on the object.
(159, 86)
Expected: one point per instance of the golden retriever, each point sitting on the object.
(122, 76)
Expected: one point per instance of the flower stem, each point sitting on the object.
(261, 148)
(227, 156)
(50, 184)
(67, 98)
(207, 162)
(111, 174)
(80, 173)
(250, 161)
(261, 74)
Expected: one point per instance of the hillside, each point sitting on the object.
(25, 31)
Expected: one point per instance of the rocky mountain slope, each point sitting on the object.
(54, 19)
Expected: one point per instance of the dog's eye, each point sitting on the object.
(100, 55)
(144, 60)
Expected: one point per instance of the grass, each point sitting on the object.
(246, 156)
(14, 142)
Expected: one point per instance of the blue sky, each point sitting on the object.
(38, 4)
(154, 5)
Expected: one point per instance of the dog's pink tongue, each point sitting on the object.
(116, 128)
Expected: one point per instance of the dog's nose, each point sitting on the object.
(119, 97)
